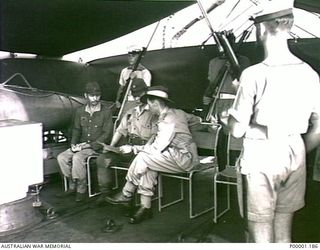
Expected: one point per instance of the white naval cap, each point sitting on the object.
(132, 49)
(271, 9)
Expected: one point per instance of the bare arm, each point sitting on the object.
(120, 90)
(312, 137)
(115, 139)
(235, 128)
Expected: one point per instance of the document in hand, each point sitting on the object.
(110, 148)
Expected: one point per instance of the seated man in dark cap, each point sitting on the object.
(92, 123)
(137, 126)
(171, 150)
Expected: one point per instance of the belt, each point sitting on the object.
(227, 96)
(136, 140)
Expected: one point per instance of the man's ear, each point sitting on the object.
(85, 95)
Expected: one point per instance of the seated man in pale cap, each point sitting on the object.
(171, 150)
(92, 124)
(137, 126)
(268, 113)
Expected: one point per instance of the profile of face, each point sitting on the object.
(260, 33)
(260, 38)
(93, 99)
(153, 106)
(132, 58)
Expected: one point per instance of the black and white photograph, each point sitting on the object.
(181, 123)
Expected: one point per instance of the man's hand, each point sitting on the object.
(206, 100)
(78, 147)
(133, 75)
(75, 148)
(224, 116)
(104, 147)
(125, 149)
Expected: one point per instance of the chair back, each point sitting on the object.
(234, 148)
(227, 146)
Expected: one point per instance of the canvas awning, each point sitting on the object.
(58, 27)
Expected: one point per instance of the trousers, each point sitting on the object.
(144, 169)
(73, 165)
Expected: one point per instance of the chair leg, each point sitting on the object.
(216, 214)
(116, 181)
(193, 214)
(89, 183)
(65, 183)
(215, 204)
(89, 179)
(160, 191)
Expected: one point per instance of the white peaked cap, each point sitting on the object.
(134, 48)
(270, 9)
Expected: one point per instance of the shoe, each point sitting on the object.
(101, 200)
(66, 194)
(80, 197)
(141, 215)
(119, 198)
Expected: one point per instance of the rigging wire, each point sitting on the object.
(308, 32)
(249, 29)
(243, 24)
(240, 14)
(234, 7)
(293, 35)
(315, 14)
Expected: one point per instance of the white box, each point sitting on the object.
(21, 160)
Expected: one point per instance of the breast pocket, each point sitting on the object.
(83, 121)
(146, 131)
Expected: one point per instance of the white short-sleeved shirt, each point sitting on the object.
(275, 103)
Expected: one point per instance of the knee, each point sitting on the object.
(103, 161)
(100, 161)
(78, 159)
(61, 158)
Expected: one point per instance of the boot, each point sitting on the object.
(105, 191)
(102, 199)
(119, 198)
(71, 190)
(80, 197)
(81, 190)
(140, 215)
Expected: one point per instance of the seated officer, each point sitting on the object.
(137, 126)
(171, 150)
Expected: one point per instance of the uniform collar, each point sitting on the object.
(140, 67)
(141, 108)
(91, 110)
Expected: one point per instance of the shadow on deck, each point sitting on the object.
(82, 223)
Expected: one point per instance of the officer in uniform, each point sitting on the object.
(172, 150)
(137, 126)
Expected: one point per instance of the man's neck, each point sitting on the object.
(277, 52)
(93, 108)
